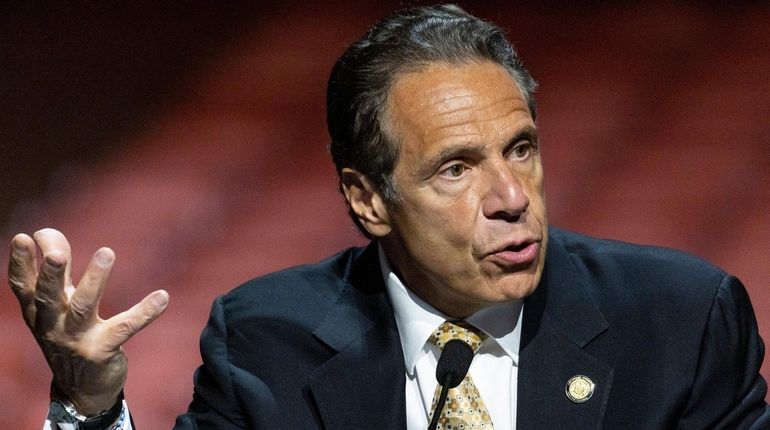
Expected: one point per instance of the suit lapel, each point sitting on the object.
(560, 319)
(363, 385)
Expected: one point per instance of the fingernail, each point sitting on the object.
(103, 258)
(19, 248)
(159, 299)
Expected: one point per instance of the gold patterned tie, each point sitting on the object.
(464, 408)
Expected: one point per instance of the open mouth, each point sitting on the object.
(518, 248)
(522, 254)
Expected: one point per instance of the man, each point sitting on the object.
(431, 117)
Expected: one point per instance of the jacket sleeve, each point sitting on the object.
(728, 392)
(222, 389)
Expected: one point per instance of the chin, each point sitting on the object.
(518, 286)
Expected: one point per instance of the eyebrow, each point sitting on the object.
(467, 148)
(451, 152)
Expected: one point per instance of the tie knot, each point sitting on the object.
(461, 330)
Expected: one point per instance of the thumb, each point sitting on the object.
(122, 326)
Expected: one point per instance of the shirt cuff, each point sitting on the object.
(59, 419)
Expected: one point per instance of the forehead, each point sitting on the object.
(443, 100)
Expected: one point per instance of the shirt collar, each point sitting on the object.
(416, 319)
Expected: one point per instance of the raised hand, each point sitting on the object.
(84, 351)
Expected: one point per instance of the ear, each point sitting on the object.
(366, 202)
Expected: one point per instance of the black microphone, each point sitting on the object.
(452, 366)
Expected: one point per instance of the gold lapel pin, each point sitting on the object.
(579, 388)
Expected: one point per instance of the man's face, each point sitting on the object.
(470, 228)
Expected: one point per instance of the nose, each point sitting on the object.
(504, 198)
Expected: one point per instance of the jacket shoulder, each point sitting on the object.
(301, 292)
(628, 280)
(595, 255)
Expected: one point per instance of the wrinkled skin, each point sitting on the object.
(469, 229)
(83, 350)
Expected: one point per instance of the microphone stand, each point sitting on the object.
(440, 405)
(452, 366)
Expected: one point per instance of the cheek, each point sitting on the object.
(442, 220)
(537, 203)
(460, 217)
(536, 193)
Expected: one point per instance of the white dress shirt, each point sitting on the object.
(494, 368)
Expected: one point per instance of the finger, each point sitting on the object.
(50, 240)
(121, 327)
(22, 275)
(50, 299)
(84, 302)
(54, 278)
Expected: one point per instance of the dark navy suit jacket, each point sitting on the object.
(669, 340)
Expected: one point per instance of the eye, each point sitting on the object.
(454, 171)
(521, 150)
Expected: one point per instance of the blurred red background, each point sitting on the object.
(191, 139)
